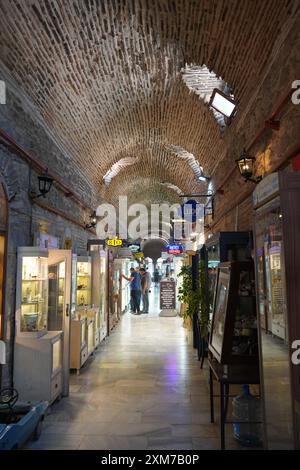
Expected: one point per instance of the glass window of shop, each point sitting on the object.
(3, 228)
(274, 327)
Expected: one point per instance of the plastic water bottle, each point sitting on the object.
(247, 409)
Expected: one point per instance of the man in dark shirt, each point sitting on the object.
(135, 288)
(146, 285)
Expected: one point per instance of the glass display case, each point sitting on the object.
(98, 256)
(56, 302)
(32, 291)
(84, 286)
(233, 338)
(276, 236)
(221, 247)
(74, 285)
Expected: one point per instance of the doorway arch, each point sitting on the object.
(3, 246)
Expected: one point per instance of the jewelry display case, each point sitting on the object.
(32, 292)
(222, 247)
(43, 298)
(98, 256)
(233, 337)
(84, 282)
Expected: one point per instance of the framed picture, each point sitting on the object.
(233, 336)
(219, 312)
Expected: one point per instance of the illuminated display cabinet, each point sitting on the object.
(221, 247)
(42, 342)
(99, 300)
(32, 292)
(84, 282)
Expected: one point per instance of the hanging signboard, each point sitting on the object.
(191, 211)
(114, 242)
(174, 249)
(167, 295)
(134, 248)
(266, 189)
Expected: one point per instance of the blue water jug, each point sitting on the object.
(247, 410)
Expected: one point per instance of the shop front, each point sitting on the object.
(277, 256)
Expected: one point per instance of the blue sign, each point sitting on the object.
(191, 210)
(174, 249)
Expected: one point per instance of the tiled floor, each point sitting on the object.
(143, 389)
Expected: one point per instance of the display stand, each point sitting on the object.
(233, 340)
(168, 299)
(229, 375)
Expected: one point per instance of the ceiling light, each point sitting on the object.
(204, 178)
(222, 103)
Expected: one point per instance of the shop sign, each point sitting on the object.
(296, 163)
(48, 241)
(268, 187)
(114, 242)
(167, 295)
(174, 249)
(134, 248)
(191, 210)
(125, 252)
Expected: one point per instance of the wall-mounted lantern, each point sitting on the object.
(246, 167)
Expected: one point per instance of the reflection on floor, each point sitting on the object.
(143, 389)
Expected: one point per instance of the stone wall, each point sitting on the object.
(27, 219)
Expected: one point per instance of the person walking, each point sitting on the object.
(135, 288)
(156, 277)
(146, 285)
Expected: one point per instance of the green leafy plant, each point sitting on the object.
(195, 300)
(186, 294)
(203, 316)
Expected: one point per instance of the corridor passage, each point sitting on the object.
(143, 389)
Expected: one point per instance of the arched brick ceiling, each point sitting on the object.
(106, 75)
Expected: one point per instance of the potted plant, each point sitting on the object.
(194, 300)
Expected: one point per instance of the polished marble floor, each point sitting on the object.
(142, 389)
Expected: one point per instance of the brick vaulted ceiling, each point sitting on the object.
(106, 76)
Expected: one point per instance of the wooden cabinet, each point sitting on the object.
(79, 350)
(38, 367)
